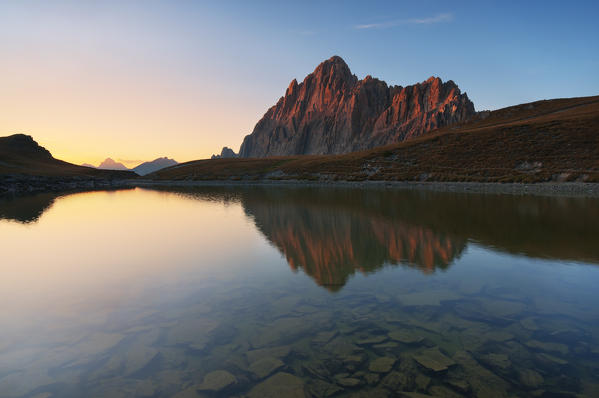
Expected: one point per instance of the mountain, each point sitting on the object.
(226, 153)
(154, 165)
(88, 165)
(332, 112)
(109, 164)
(20, 155)
(549, 140)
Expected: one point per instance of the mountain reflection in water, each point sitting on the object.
(332, 233)
(330, 243)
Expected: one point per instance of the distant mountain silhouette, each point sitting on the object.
(154, 165)
(225, 153)
(109, 164)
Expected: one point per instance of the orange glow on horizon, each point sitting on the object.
(85, 110)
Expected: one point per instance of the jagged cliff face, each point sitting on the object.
(332, 111)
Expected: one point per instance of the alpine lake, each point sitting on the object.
(298, 292)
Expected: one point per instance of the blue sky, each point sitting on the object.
(188, 77)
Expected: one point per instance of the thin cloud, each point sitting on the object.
(446, 17)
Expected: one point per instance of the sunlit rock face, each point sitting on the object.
(333, 112)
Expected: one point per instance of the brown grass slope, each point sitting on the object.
(550, 140)
(20, 155)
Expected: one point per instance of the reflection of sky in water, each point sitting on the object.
(107, 291)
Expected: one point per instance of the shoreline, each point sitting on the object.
(23, 185)
(578, 189)
(16, 186)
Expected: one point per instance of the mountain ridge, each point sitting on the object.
(110, 164)
(331, 112)
(543, 141)
(154, 165)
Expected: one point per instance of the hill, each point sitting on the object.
(549, 140)
(333, 112)
(21, 155)
(154, 165)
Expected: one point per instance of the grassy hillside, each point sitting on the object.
(20, 155)
(552, 140)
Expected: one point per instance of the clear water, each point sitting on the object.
(288, 292)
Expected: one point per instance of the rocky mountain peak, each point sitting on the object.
(111, 164)
(331, 111)
(225, 153)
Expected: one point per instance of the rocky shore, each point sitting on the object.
(24, 184)
(17, 185)
(549, 188)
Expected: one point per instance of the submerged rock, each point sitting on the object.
(530, 378)
(193, 331)
(443, 392)
(137, 357)
(371, 340)
(275, 352)
(430, 297)
(341, 346)
(406, 336)
(550, 347)
(500, 361)
(348, 382)
(498, 336)
(371, 378)
(324, 337)
(529, 324)
(382, 365)
(191, 392)
(552, 359)
(422, 382)
(433, 359)
(217, 381)
(374, 393)
(484, 383)
(385, 346)
(396, 381)
(459, 384)
(280, 385)
(320, 388)
(265, 367)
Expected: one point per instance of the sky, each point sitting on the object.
(136, 80)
